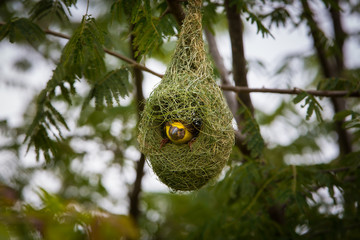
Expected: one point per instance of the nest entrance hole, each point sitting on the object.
(188, 111)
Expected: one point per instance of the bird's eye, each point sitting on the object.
(181, 133)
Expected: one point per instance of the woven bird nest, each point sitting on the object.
(187, 93)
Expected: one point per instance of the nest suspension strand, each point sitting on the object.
(187, 94)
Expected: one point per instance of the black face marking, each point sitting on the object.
(176, 133)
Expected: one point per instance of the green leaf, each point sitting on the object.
(114, 85)
(254, 141)
(312, 103)
(58, 115)
(51, 8)
(260, 27)
(353, 122)
(22, 28)
(83, 55)
(150, 31)
(40, 139)
(299, 97)
(122, 8)
(211, 16)
(246, 7)
(278, 16)
(351, 83)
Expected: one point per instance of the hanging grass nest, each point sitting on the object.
(187, 94)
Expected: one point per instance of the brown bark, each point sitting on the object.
(134, 194)
(339, 104)
(332, 66)
(316, 32)
(239, 69)
(175, 8)
(339, 37)
(294, 91)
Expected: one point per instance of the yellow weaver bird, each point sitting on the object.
(179, 133)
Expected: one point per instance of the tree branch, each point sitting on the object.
(318, 40)
(341, 169)
(295, 91)
(239, 68)
(339, 36)
(134, 193)
(176, 9)
(115, 54)
(237, 48)
(332, 66)
(224, 87)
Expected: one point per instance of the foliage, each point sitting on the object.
(21, 28)
(254, 141)
(277, 202)
(81, 127)
(57, 218)
(114, 85)
(82, 56)
(313, 105)
(151, 25)
(50, 8)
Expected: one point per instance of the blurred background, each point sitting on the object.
(95, 170)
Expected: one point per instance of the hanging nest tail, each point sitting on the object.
(187, 94)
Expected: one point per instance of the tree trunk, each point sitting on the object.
(134, 194)
(239, 69)
(332, 66)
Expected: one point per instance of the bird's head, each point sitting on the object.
(177, 131)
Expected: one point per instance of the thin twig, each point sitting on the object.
(132, 62)
(294, 91)
(110, 52)
(341, 169)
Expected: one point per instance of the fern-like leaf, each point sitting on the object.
(83, 54)
(260, 27)
(353, 119)
(245, 6)
(45, 8)
(150, 31)
(350, 84)
(46, 120)
(312, 103)
(112, 86)
(122, 8)
(81, 57)
(21, 28)
(278, 16)
(251, 130)
(42, 143)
